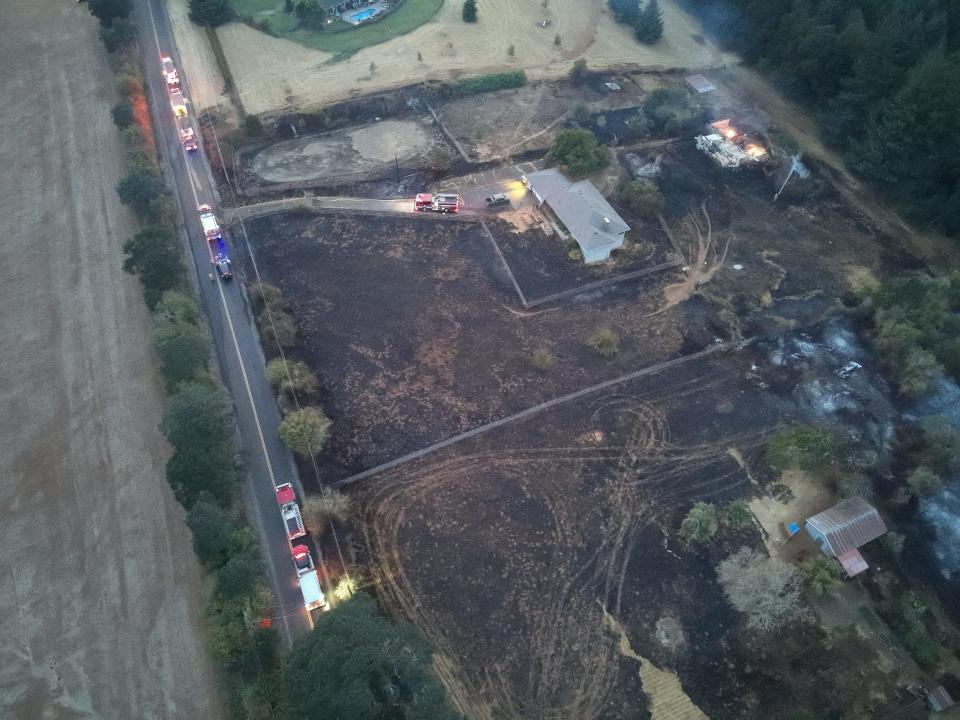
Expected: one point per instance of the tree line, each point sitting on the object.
(883, 77)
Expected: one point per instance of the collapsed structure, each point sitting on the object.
(729, 147)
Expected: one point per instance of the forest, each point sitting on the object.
(881, 76)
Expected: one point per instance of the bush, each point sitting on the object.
(319, 510)
(737, 515)
(183, 351)
(106, 11)
(481, 84)
(264, 295)
(542, 359)
(211, 526)
(238, 576)
(806, 447)
(139, 187)
(923, 482)
(581, 114)
(119, 33)
(277, 326)
(305, 431)
(893, 543)
(470, 11)
(128, 85)
(820, 576)
(668, 110)
(701, 523)
(642, 198)
(605, 342)
(195, 469)
(291, 376)
(579, 73)
(177, 307)
(199, 416)
(153, 255)
(252, 127)
(210, 12)
(577, 153)
(855, 486)
(122, 114)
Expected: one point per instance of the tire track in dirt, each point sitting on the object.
(569, 662)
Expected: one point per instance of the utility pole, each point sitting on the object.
(396, 162)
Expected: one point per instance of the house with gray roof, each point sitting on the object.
(844, 528)
(582, 210)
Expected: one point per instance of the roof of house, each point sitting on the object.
(849, 524)
(939, 699)
(592, 222)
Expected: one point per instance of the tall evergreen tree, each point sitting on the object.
(470, 11)
(648, 27)
(211, 12)
(626, 11)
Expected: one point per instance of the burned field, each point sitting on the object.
(541, 558)
(417, 335)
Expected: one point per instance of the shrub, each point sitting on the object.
(701, 523)
(291, 376)
(893, 543)
(211, 526)
(210, 12)
(198, 415)
(668, 110)
(106, 11)
(605, 342)
(138, 187)
(305, 431)
(737, 515)
(128, 85)
(581, 114)
(320, 510)
(119, 33)
(122, 113)
(481, 84)
(252, 127)
(855, 486)
(195, 469)
(807, 447)
(153, 255)
(820, 576)
(578, 73)
(238, 576)
(923, 482)
(262, 295)
(177, 307)
(642, 198)
(542, 359)
(577, 153)
(277, 326)
(183, 351)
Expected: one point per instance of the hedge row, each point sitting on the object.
(478, 84)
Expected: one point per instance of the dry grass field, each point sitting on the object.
(273, 74)
(99, 588)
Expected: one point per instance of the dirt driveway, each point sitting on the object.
(99, 589)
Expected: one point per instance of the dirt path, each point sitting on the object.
(99, 589)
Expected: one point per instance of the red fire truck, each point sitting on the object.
(442, 202)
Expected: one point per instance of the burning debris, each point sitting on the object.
(731, 148)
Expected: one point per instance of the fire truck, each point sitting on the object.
(188, 138)
(442, 202)
(170, 73)
(287, 499)
(307, 575)
(209, 221)
(178, 103)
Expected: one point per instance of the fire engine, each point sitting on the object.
(442, 202)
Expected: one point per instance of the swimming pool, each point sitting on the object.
(364, 15)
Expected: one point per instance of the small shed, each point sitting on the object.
(699, 84)
(939, 699)
(841, 530)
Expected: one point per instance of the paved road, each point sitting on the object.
(235, 338)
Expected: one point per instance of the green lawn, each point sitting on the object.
(409, 16)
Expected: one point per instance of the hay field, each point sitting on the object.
(274, 74)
